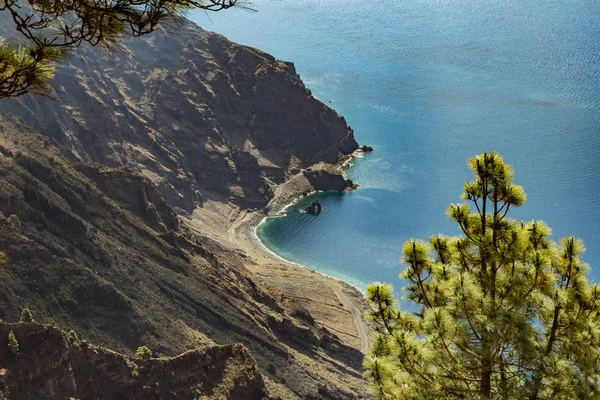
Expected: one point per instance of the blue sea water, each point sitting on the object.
(429, 83)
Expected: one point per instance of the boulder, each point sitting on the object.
(313, 208)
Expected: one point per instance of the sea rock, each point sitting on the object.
(313, 208)
(327, 177)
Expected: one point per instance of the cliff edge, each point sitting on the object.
(51, 364)
(199, 116)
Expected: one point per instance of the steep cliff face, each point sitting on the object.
(80, 255)
(51, 365)
(198, 115)
(98, 250)
(89, 204)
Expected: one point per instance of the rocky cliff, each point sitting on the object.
(98, 250)
(52, 365)
(198, 115)
(89, 204)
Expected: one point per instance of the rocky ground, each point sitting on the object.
(219, 372)
(201, 117)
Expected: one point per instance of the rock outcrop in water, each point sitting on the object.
(89, 204)
(328, 177)
(314, 208)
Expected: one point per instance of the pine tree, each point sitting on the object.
(72, 335)
(26, 317)
(13, 345)
(502, 312)
(144, 353)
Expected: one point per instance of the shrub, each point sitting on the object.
(73, 336)
(26, 317)
(143, 352)
(13, 345)
(271, 369)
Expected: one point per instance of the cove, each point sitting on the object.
(428, 84)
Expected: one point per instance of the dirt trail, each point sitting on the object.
(239, 219)
(358, 321)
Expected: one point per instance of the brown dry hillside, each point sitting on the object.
(91, 185)
(202, 117)
(116, 266)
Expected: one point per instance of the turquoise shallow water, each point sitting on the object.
(428, 84)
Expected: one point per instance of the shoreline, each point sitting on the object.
(340, 166)
(300, 281)
(334, 303)
(313, 270)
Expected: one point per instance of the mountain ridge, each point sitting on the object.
(198, 115)
(52, 364)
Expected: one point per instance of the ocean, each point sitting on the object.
(429, 84)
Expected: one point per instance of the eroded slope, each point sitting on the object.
(200, 116)
(98, 250)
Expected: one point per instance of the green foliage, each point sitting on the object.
(72, 335)
(502, 312)
(26, 68)
(13, 345)
(26, 317)
(143, 353)
(53, 28)
(198, 392)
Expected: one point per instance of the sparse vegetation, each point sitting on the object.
(13, 344)
(271, 369)
(73, 336)
(143, 353)
(26, 317)
(198, 392)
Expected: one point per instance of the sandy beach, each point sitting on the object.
(334, 304)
